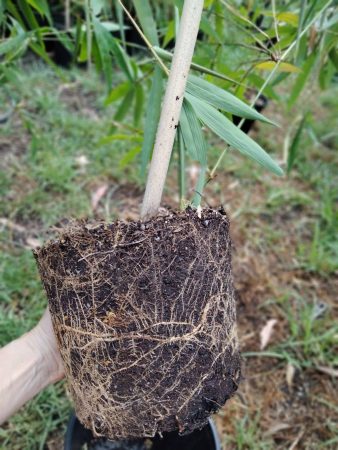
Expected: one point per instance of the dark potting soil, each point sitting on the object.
(144, 314)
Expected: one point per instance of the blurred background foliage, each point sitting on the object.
(245, 48)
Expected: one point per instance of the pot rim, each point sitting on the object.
(74, 421)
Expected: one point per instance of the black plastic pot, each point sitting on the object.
(205, 439)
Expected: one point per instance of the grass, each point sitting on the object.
(285, 262)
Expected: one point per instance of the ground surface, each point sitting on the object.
(54, 165)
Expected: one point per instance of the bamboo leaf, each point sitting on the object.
(170, 33)
(196, 201)
(97, 6)
(125, 105)
(103, 39)
(221, 99)
(282, 67)
(219, 26)
(145, 16)
(192, 134)
(209, 30)
(258, 82)
(299, 29)
(107, 44)
(119, 137)
(13, 43)
(112, 26)
(119, 14)
(129, 156)
(288, 17)
(152, 118)
(13, 10)
(77, 40)
(31, 20)
(42, 7)
(122, 58)
(82, 57)
(231, 134)
(139, 100)
(327, 72)
(65, 40)
(301, 79)
(292, 154)
(2, 11)
(118, 92)
(333, 55)
(329, 22)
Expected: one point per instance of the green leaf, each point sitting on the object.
(192, 134)
(65, 40)
(282, 67)
(231, 134)
(209, 30)
(301, 79)
(139, 100)
(258, 82)
(119, 137)
(221, 99)
(97, 6)
(328, 22)
(293, 150)
(145, 16)
(219, 25)
(112, 26)
(42, 7)
(119, 91)
(122, 58)
(152, 118)
(170, 33)
(125, 105)
(119, 15)
(31, 20)
(129, 156)
(2, 11)
(196, 201)
(77, 40)
(107, 44)
(333, 55)
(299, 29)
(82, 57)
(13, 43)
(103, 40)
(288, 17)
(327, 72)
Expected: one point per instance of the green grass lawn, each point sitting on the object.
(53, 158)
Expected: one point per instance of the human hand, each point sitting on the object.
(27, 365)
(42, 339)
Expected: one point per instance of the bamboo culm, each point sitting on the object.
(171, 107)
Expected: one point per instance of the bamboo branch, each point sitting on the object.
(88, 14)
(67, 14)
(146, 40)
(171, 108)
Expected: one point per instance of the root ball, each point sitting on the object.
(144, 315)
